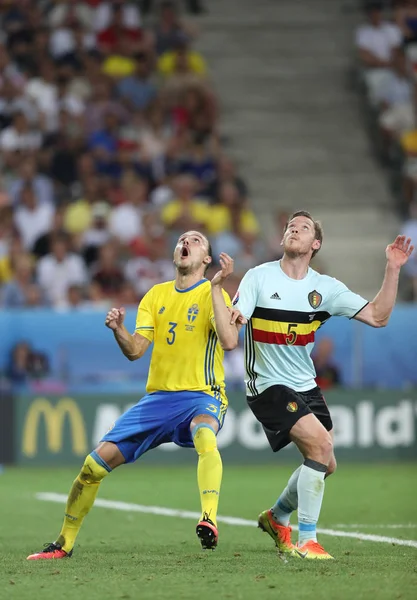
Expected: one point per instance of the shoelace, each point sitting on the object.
(51, 547)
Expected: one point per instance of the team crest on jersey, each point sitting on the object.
(236, 298)
(192, 313)
(292, 406)
(315, 299)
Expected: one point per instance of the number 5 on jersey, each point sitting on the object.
(171, 331)
(291, 335)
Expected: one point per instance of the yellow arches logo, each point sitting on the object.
(54, 417)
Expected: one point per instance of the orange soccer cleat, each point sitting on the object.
(50, 552)
(279, 533)
(312, 550)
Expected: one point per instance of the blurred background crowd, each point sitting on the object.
(386, 47)
(110, 147)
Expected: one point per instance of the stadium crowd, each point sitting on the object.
(386, 47)
(110, 147)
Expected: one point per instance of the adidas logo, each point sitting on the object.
(275, 296)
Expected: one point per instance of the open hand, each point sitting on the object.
(226, 263)
(115, 318)
(399, 251)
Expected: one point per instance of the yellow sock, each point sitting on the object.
(209, 470)
(81, 498)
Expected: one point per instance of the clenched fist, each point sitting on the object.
(115, 318)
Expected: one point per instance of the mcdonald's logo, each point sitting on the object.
(54, 426)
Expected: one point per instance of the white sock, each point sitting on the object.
(310, 489)
(288, 501)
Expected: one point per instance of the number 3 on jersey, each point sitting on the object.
(171, 331)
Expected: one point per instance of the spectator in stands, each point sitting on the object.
(199, 162)
(226, 173)
(186, 212)
(18, 138)
(100, 104)
(21, 290)
(104, 145)
(126, 220)
(118, 30)
(144, 272)
(43, 244)
(375, 42)
(129, 15)
(169, 28)
(230, 215)
(78, 215)
(406, 19)
(98, 233)
(28, 174)
(410, 231)
(60, 269)
(182, 60)
(14, 250)
(396, 100)
(32, 217)
(137, 91)
(328, 374)
(26, 364)
(107, 271)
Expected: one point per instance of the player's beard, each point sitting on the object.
(295, 252)
(186, 269)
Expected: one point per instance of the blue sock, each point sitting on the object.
(306, 532)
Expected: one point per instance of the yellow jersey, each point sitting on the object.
(186, 355)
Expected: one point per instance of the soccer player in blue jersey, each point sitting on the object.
(285, 303)
(188, 320)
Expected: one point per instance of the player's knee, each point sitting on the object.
(94, 469)
(320, 449)
(332, 466)
(204, 438)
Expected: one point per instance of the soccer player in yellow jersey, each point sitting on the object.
(189, 322)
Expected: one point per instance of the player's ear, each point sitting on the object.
(316, 245)
(208, 260)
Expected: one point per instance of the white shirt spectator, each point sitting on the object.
(144, 273)
(126, 223)
(59, 13)
(32, 223)
(62, 42)
(380, 41)
(395, 89)
(103, 15)
(42, 187)
(45, 96)
(56, 277)
(11, 140)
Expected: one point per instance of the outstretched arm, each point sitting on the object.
(227, 332)
(133, 346)
(378, 312)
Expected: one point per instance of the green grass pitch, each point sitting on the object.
(143, 556)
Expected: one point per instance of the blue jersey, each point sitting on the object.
(283, 315)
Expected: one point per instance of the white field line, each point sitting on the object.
(377, 526)
(186, 514)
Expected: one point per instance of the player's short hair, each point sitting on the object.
(318, 229)
(210, 253)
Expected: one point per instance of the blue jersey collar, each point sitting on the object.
(192, 287)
